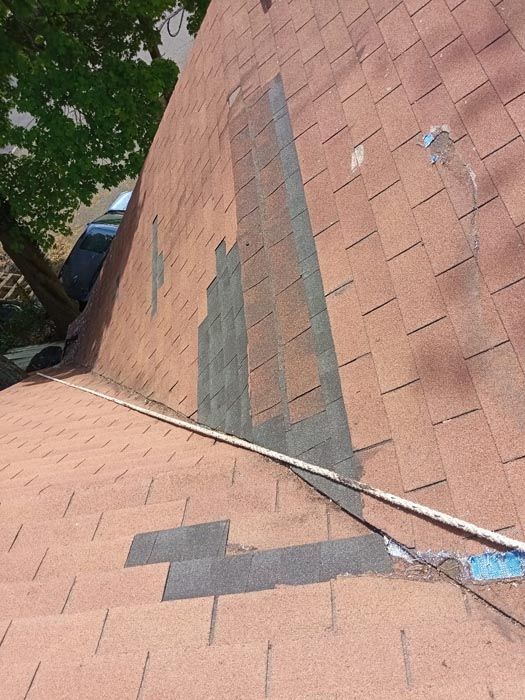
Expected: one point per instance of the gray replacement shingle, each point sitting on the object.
(232, 420)
(208, 577)
(322, 332)
(307, 433)
(189, 579)
(204, 541)
(313, 285)
(304, 240)
(295, 194)
(141, 548)
(301, 564)
(265, 570)
(309, 265)
(271, 434)
(321, 454)
(354, 556)
(292, 566)
(230, 575)
(289, 160)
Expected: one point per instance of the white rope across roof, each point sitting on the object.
(398, 501)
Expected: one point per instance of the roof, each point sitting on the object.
(82, 615)
(324, 255)
(335, 202)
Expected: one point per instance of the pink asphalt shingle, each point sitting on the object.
(422, 266)
(87, 626)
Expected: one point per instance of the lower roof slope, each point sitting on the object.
(83, 615)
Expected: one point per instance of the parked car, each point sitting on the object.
(82, 267)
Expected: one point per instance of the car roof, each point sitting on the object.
(121, 202)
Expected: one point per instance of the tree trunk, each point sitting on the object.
(152, 48)
(9, 373)
(38, 273)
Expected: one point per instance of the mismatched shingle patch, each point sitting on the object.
(199, 566)
(179, 544)
(291, 566)
(411, 269)
(157, 266)
(208, 577)
(223, 351)
(308, 420)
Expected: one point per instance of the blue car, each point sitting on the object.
(82, 267)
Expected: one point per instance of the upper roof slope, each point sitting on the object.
(329, 286)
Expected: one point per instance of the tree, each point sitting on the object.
(196, 10)
(72, 66)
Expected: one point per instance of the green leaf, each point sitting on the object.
(94, 105)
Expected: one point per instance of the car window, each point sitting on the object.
(96, 242)
(113, 218)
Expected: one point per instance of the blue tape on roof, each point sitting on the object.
(495, 565)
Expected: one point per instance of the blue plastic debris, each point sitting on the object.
(492, 566)
(428, 138)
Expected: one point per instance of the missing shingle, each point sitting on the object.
(439, 143)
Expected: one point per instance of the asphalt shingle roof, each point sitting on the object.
(325, 254)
